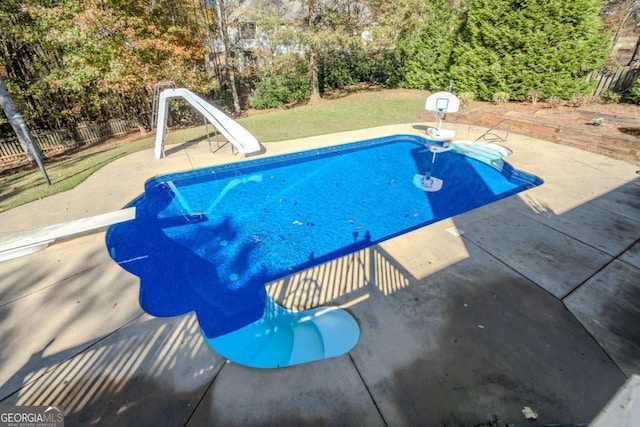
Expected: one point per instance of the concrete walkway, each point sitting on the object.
(535, 304)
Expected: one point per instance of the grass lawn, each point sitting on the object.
(350, 112)
(357, 111)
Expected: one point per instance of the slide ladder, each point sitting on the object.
(157, 89)
(241, 138)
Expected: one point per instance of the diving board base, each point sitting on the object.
(27, 242)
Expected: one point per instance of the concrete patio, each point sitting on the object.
(531, 301)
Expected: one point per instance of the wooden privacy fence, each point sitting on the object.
(617, 79)
(63, 139)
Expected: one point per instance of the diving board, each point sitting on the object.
(23, 243)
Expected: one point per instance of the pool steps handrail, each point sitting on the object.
(237, 135)
(490, 136)
(486, 148)
(23, 243)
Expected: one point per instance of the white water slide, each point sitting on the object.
(241, 138)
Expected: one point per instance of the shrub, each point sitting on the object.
(611, 97)
(275, 91)
(338, 71)
(553, 101)
(576, 100)
(286, 81)
(633, 94)
(500, 97)
(350, 68)
(376, 67)
(181, 114)
(534, 96)
(466, 98)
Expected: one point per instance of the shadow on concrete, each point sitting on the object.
(57, 300)
(497, 343)
(343, 281)
(214, 139)
(215, 146)
(150, 372)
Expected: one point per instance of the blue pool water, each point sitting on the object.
(209, 240)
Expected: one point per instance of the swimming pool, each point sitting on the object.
(209, 240)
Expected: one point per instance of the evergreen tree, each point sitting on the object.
(425, 58)
(522, 45)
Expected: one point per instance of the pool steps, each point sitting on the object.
(284, 337)
(486, 152)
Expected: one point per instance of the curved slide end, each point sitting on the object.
(285, 337)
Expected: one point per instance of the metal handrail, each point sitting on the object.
(491, 136)
(157, 88)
